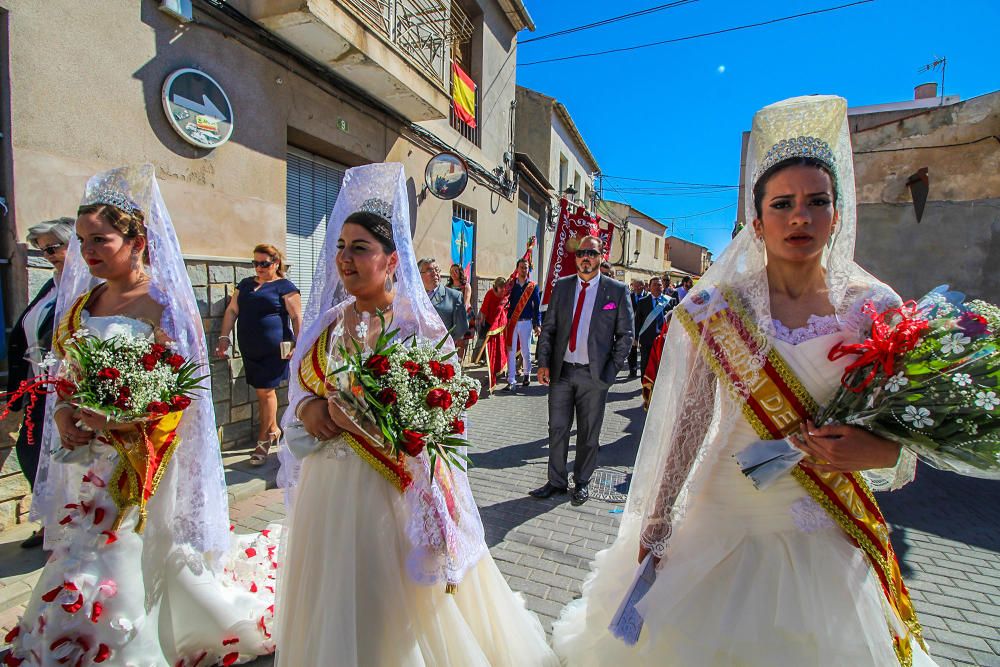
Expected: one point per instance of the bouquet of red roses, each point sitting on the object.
(127, 378)
(413, 395)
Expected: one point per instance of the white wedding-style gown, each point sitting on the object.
(139, 600)
(753, 578)
(346, 597)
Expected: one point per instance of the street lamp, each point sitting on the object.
(570, 193)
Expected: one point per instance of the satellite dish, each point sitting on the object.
(446, 175)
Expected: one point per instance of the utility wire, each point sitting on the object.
(650, 180)
(689, 37)
(693, 215)
(608, 21)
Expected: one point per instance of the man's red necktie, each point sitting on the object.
(576, 315)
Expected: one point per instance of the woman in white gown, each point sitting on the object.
(160, 587)
(381, 567)
(800, 573)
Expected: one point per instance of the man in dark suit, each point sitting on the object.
(585, 338)
(448, 302)
(650, 312)
(638, 291)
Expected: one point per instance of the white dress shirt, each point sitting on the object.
(32, 320)
(580, 355)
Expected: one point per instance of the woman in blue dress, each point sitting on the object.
(269, 311)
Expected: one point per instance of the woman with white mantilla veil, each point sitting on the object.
(802, 572)
(123, 587)
(381, 567)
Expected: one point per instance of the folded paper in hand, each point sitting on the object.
(765, 461)
(627, 621)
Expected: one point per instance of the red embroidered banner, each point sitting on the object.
(575, 222)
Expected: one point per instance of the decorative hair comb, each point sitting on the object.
(114, 198)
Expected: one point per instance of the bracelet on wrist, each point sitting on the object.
(226, 337)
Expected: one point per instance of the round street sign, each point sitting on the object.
(197, 108)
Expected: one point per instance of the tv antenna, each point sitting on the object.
(939, 61)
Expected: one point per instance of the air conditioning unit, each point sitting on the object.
(179, 9)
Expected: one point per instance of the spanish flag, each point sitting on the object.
(463, 94)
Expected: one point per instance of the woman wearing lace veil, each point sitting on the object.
(125, 586)
(801, 573)
(381, 567)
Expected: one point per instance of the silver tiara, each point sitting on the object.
(796, 147)
(114, 198)
(379, 207)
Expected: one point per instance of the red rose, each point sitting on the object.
(458, 426)
(149, 361)
(473, 398)
(439, 398)
(378, 364)
(157, 408)
(973, 325)
(411, 367)
(179, 402)
(413, 442)
(175, 361)
(108, 373)
(124, 394)
(442, 371)
(387, 396)
(65, 389)
(158, 350)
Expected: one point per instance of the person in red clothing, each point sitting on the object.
(653, 365)
(493, 322)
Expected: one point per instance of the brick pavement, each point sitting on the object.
(946, 528)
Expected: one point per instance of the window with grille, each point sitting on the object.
(462, 53)
(312, 185)
(468, 214)
(656, 248)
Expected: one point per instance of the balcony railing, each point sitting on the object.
(423, 30)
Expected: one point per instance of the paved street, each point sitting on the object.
(946, 528)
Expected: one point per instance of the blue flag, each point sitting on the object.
(461, 243)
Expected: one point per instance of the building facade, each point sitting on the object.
(687, 258)
(314, 87)
(638, 246)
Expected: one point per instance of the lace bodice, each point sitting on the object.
(108, 326)
(818, 325)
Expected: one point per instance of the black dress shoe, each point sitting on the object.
(546, 491)
(510, 387)
(35, 540)
(579, 496)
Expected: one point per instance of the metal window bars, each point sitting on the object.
(424, 31)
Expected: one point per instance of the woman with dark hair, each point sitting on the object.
(30, 340)
(802, 572)
(269, 311)
(385, 564)
(458, 281)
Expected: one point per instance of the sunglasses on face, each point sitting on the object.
(587, 252)
(52, 249)
(262, 265)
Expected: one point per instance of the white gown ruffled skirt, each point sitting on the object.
(753, 578)
(118, 597)
(345, 598)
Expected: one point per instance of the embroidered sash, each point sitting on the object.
(313, 373)
(515, 315)
(143, 456)
(776, 404)
(71, 322)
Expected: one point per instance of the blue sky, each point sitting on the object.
(676, 112)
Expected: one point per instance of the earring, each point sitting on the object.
(758, 239)
(388, 283)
